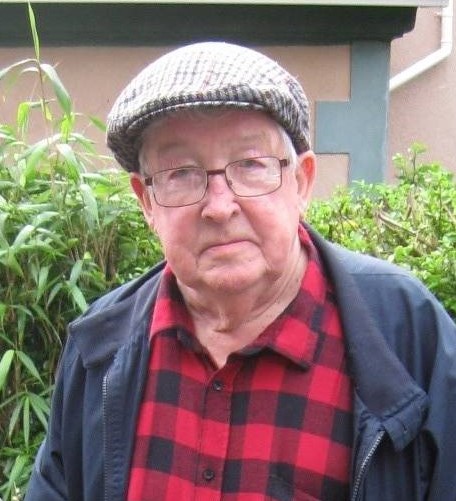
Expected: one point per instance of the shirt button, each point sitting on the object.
(208, 474)
(217, 385)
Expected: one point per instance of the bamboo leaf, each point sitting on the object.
(5, 365)
(11, 68)
(75, 272)
(90, 204)
(28, 363)
(18, 469)
(23, 236)
(3, 241)
(54, 291)
(68, 154)
(32, 20)
(11, 262)
(35, 155)
(99, 124)
(78, 297)
(15, 417)
(23, 113)
(26, 420)
(42, 282)
(40, 408)
(72, 166)
(60, 91)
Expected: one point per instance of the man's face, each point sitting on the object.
(225, 243)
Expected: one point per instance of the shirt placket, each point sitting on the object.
(215, 433)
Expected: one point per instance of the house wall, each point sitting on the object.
(94, 76)
(422, 110)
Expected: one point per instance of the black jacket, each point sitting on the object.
(401, 347)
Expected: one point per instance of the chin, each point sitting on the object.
(232, 282)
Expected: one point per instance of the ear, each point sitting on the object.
(305, 175)
(143, 196)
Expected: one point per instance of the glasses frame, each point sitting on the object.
(283, 162)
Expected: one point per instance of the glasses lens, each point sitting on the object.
(254, 176)
(179, 187)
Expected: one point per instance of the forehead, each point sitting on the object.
(206, 126)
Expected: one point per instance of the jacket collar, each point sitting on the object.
(115, 319)
(384, 387)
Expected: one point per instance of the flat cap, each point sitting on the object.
(209, 74)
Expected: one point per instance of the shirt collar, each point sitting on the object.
(294, 334)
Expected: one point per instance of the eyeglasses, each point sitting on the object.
(249, 177)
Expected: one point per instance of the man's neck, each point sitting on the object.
(226, 323)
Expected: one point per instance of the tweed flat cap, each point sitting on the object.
(210, 74)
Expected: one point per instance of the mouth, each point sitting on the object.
(225, 245)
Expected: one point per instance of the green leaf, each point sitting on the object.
(28, 363)
(68, 154)
(100, 124)
(18, 469)
(23, 236)
(5, 364)
(10, 261)
(90, 204)
(32, 21)
(54, 291)
(3, 241)
(42, 282)
(15, 66)
(75, 272)
(40, 408)
(26, 420)
(34, 155)
(23, 113)
(15, 417)
(60, 91)
(78, 297)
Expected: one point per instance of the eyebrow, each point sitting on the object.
(245, 139)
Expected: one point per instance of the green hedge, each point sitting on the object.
(411, 223)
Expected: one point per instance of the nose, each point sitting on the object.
(219, 201)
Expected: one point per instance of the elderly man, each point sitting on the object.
(259, 362)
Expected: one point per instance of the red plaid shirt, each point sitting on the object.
(274, 423)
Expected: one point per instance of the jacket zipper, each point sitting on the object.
(105, 427)
(365, 464)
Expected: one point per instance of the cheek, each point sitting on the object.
(175, 234)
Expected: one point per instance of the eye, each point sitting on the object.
(178, 175)
(251, 163)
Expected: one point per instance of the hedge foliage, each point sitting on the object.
(411, 223)
(70, 231)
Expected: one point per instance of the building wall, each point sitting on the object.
(422, 110)
(95, 75)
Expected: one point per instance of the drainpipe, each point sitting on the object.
(446, 45)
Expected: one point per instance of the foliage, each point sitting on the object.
(67, 234)
(411, 223)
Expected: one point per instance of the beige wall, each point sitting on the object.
(95, 76)
(422, 110)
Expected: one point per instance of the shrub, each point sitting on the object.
(67, 234)
(411, 223)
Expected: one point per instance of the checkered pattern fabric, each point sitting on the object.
(213, 74)
(274, 423)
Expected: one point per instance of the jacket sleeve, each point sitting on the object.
(441, 420)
